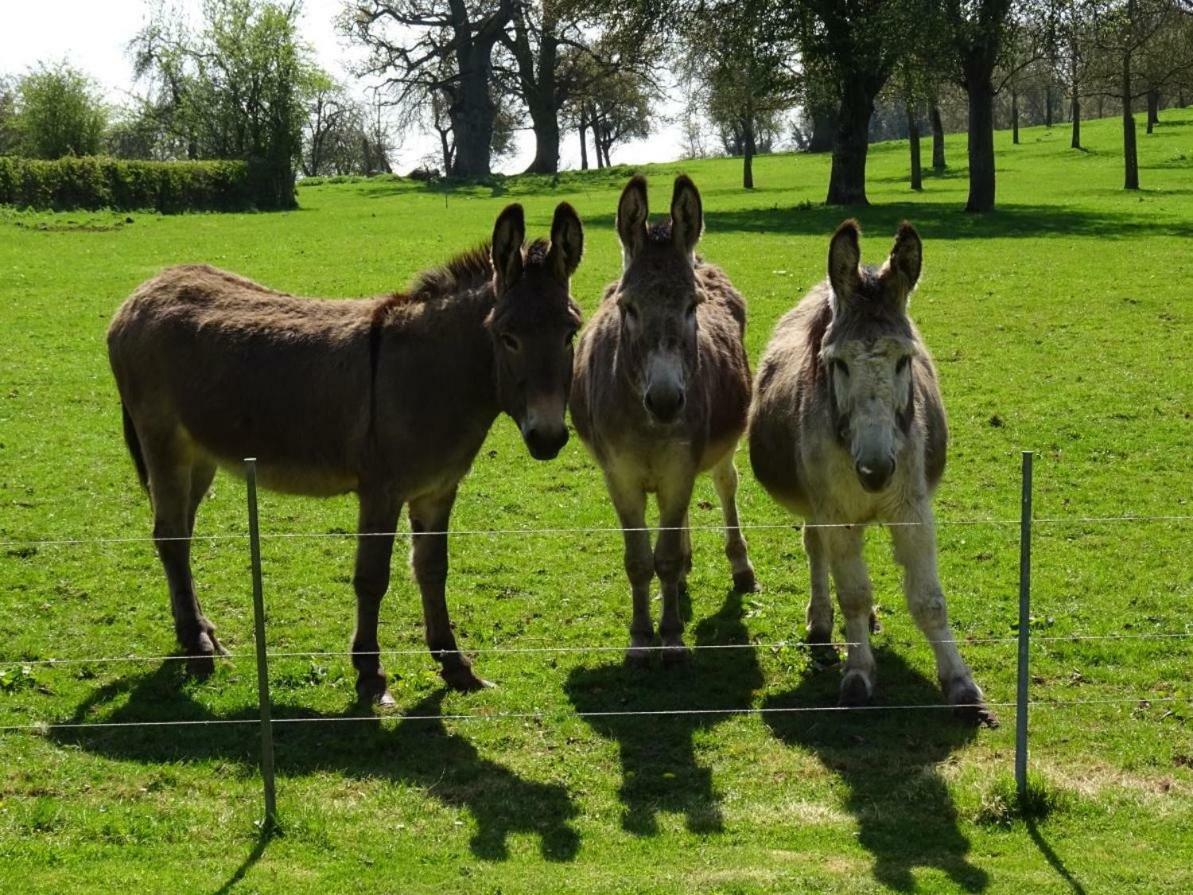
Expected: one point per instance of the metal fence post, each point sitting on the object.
(263, 701)
(1024, 628)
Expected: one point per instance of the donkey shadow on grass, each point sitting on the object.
(422, 753)
(659, 766)
(888, 762)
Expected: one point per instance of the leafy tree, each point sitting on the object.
(1139, 46)
(977, 30)
(59, 113)
(8, 117)
(738, 49)
(234, 89)
(854, 47)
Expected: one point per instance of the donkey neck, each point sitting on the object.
(433, 372)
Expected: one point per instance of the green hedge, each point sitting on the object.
(94, 182)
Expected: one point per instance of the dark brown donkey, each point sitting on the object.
(660, 394)
(389, 397)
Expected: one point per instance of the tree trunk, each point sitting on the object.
(1015, 116)
(824, 124)
(851, 142)
(472, 110)
(748, 149)
(981, 139)
(537, 79)
(583, 144)
(913, 139)
(1153, 109)
(445, 147)
(544, 119)
(1047, 106)
(1075, 111)
(1130, 158)
(938, 163)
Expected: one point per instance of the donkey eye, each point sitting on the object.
(511, 342)
(902, 364)
(691, 311)
(840, 368)
(569, 339)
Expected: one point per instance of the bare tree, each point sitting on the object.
(426, 47)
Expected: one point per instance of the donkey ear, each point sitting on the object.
(902, 268)
(687, 215)
(508, 235)
(567, 242)
(844, 256)
(631, 217)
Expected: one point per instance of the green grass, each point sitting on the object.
(1061, 324)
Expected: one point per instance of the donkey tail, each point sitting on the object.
(134, 446)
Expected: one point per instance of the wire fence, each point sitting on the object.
(254, 536)
(27, 543)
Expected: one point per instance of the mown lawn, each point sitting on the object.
(1061, 324)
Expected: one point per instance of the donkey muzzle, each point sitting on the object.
(544, 434)
(664, 403)
(875, 474)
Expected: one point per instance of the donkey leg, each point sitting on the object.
(915, 550)
(844, 549)
(686, 546)
(674, 496)
(170, 465)
(630, 503)
(724, 478)
(377, 519)
(820, 604)
(429, 518)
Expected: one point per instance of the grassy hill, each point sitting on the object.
(1060, 323)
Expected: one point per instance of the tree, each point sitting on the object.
(611, 100)
(437, 56)
(334, 136)
(1138, 46)
(8, 117)
(58, 112)
(977, 31)
(857, 44)
(234, 89)
(742, 53)
(533, 40)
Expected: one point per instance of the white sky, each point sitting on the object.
(93, 35)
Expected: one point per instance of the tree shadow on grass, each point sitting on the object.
(422, 753)
(888, 763)
(660, 770)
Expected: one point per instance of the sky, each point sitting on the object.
(93, 36)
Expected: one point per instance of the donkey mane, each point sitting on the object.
(659, 231)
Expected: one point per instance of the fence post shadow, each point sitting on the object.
(263, 838)
(905, 814)
(659, 766)
(1052, 857)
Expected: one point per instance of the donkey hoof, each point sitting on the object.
(463, 679)
(675, 654)
(371, 689)
(856, 690)
(821, 651)
(200, 666)
(745, 582)
(969, 704)
(637, 657)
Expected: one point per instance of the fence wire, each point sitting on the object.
(597, 648)
(18, 544)
(47, 727)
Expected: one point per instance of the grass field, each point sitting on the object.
(1060, 322)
